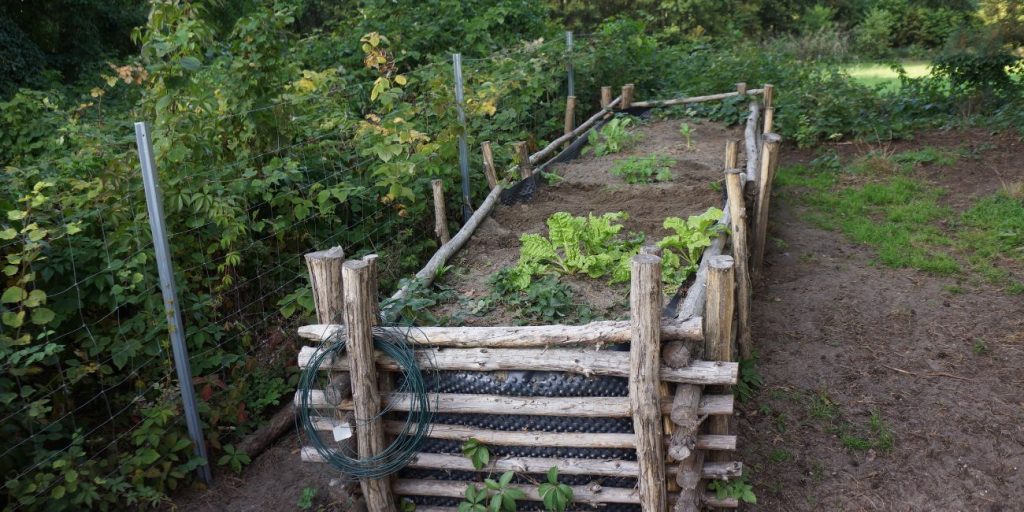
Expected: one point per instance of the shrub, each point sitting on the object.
(874, 35)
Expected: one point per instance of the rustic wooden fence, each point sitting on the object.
(679, 367)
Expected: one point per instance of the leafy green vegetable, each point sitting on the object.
(691, 236)
(612, 137)
(645, 169)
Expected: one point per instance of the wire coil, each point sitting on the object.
(395, 344)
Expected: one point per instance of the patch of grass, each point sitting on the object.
(872, 201)
(979, 348)
(883, 436)
(779, 456)
(822, 407)
(896, 216)
(881, 74)
(994, 232)
(928, 156)
(953, 288)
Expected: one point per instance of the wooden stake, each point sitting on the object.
(718, 327)
(627, 97)
(525, 168)
(645, 299)
(769, 119)
(741, 88)
(606, 96)
(359, 296)
(769, 95)
(440, 217)
(750, 138)
(570, 115)
(489, 170)
(769, 163)
(740, 254)
(325, 275)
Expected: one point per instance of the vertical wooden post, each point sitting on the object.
(606, 96)
(664, 387)
(627, 97)
(645, 298)
(718, 333)
(329, 300)
(740, 252)
(489, 170)
(741, 87)
(769, 107)
(570, 116)
(525, 168)
(440, 217)
(359, 297)
(769, 163)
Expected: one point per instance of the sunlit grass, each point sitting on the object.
(875, 202)
(880, 73)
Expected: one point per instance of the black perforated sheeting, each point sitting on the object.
(549, 384)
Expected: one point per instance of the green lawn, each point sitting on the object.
(876, 200)
(877, 73)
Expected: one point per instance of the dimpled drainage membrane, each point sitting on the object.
(548, 384)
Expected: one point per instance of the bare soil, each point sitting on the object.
(841, 339)
(586, 187)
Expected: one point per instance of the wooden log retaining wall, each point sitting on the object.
(680, 368)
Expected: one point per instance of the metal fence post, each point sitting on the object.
(569, 69)
(154, 205)
(467, 208)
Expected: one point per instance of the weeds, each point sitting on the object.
(737, 488)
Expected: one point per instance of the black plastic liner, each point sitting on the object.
(527, 383)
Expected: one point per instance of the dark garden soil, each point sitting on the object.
(841, 339)
(587, 186)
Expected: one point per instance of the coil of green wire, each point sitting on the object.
(394, 343)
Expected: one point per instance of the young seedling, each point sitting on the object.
(687, 132)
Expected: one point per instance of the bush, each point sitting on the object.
(874, 36)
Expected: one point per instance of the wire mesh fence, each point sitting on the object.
(90, 407)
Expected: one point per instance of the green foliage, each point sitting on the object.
(545, 300)
(575, 245)
(495, 496)
(737, 488)
(233, 458)
(476, 452)
(306, 498)
(613, 137)
(644, 169)
(750, 380)
(556, 496)
(874, 35)
(691, 237)
(687, 132)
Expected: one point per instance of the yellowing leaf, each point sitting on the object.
(305, 85)
(96, 92)
(401, 80)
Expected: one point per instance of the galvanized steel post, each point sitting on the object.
(569, 69)
(176, 329)
(467, 207)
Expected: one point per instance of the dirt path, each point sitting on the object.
(884, 390)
